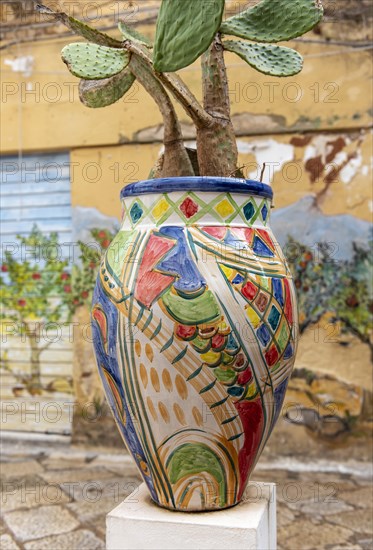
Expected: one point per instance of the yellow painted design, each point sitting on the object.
(160, 209)
(253, 317)
(164, 412)
(138, 348)
(251, 391)
(143, 375)
(228, 272)
(166, 379)
(179, 413)
(151, 408)
(149, 352)
(211, 357)
(197, 417)
(224, 208)
(155, 379)
(181, 387)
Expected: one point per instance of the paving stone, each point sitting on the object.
(40, 522)
(26, 496)
(363, 498)
(94, 490)
(320, 509)
(303, 534)
(346, 547)
(360, 521)
(64, 463)
(18, 469)
(366, 544)
(284, 516)
(7, 543)
(87, 511)
(76, 540)
(72, 476)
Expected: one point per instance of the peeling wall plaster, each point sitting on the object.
(268, 151)
(22, 64)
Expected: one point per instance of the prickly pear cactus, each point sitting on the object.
(275, 20)
(132, 34)
(267, 58)
(101, 93)
(185, 29)
(93, 62)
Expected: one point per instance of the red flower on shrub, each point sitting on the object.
(4, 268)
(85, 294)
(22, 303)
(65, 276)
(67, 289)
(36, 276)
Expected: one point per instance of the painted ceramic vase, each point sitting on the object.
(195, 333)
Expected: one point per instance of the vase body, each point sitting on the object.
(195, 332)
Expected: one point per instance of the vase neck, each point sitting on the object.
(190, 208)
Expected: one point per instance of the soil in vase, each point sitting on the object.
(195, 333)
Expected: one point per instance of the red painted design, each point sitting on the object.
(271, 356)
(266, 238)
(288, 309)
(249, 290)
(251, 416)
(185, 332)
(245, 376)
(151, 284)
(244, 233)
(217, 232)
(217, 342)
(189, 208)
(261, 301)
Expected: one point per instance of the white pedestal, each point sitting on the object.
(139, 524)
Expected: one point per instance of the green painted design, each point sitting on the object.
(192, 459)
(228, 376)
(200, 310)
(221, 208)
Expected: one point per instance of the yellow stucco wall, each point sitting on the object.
(41, 111)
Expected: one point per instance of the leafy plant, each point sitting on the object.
(44, 289)
(185, 31)
(343, 288)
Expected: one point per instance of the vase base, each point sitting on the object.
(194, 509)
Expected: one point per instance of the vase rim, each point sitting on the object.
(198, 183)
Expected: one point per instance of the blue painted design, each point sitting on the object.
(198, 183)
(261, 249)
(274, 317)
(235, 242)
(264, 212)
(236, 391)
(278, 291)
(279, 396)
(238, 279)
(232, 344)
(263, 334)
(289, 352)
(178, 262)
(136, 212)
(109, 362)
(248, 211)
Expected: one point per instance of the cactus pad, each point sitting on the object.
(185, 29)
(266, 58)
(92, 62)
(275, 20)
(129, 33)
(101, 93)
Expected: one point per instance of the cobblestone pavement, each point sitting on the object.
(57, 497)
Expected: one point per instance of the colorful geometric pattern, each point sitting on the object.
(197, 344)
(190, 208)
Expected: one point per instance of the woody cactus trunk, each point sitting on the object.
(187, 30)
(194, 311)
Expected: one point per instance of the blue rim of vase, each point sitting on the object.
(198, 183)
